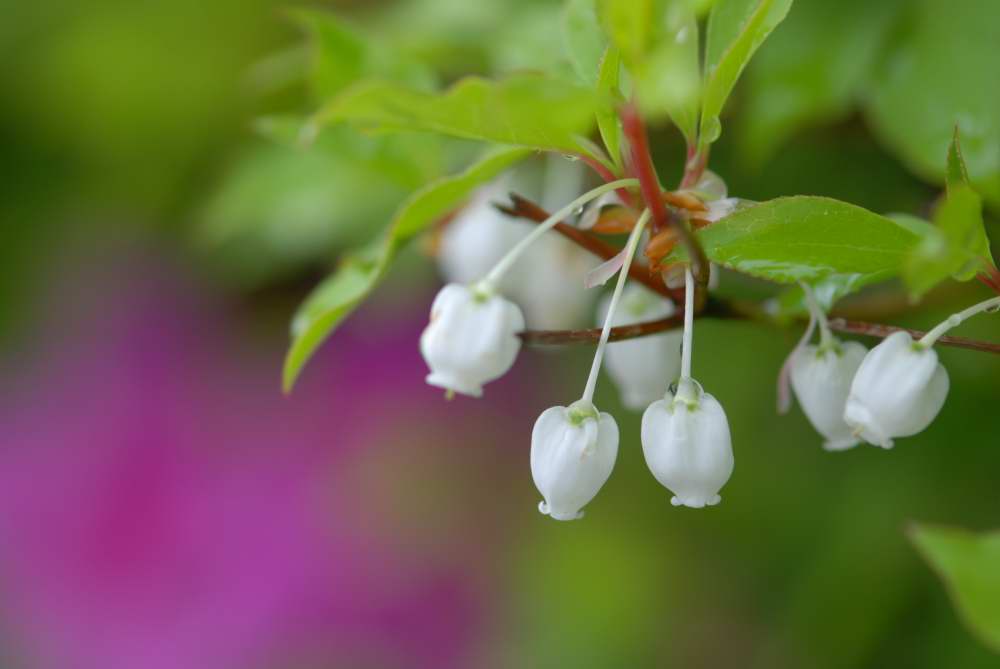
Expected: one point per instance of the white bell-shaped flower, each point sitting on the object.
(471, 338)
(821, 378)
(548, 284)
(478, 236)
(573, 450)
(687, 445)
(898, 390)
(642, 368)
(545, 281)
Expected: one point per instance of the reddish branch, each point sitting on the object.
(720, 309)
(649, 184)
(694, 168)
(882, 331)
(524, 208)
(593, 335)
(642, 167)
(713, 308)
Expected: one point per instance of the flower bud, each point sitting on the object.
(821, 378)
(643, 367)
(471, 338)
(687, 445)
(573, 450)
(593, 212)
(898, 390)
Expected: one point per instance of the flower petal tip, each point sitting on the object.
(696, 502)
(544, 509)
(452, 386)
(836, 445)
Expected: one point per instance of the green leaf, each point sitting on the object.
(523, 110)
(584, 39)
(340, 293)
(939, 71)
(914, 224)
(960, 219)
(629, 26)
(969, 565)
(964, 228)
(406, 159)
(811, 239)
(342, 56)
(526, 40)
(956, 173)
(609, 94)
(956, 245)
(669, 77)
(736, 28)
(792, 302)
(282, 204)
(658, 40)
(812, 71)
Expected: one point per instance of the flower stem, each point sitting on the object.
(501, 268)
(955, 319)
(528, 210)
(826, 338)
(633, 242)
(784, 395)
(688, 324)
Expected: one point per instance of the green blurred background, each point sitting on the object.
(129, 133)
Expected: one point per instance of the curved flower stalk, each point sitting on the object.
(685, 436)
(642, 368)
(478, 237)
(574, 448)
(471, 338)
(821, 378)
(545, 280)
(900, 386)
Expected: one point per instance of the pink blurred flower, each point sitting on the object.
(163, 507)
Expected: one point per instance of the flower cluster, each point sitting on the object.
(851, 394)
(472, 338)
(848, 393)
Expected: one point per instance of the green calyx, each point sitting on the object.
(833, 347)
(482, 291)
(686, 392)
(581, 410)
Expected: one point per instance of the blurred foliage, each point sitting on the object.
(968, 565)
(916, 68)
(337, 296)
(957, 244)
(122, 116)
